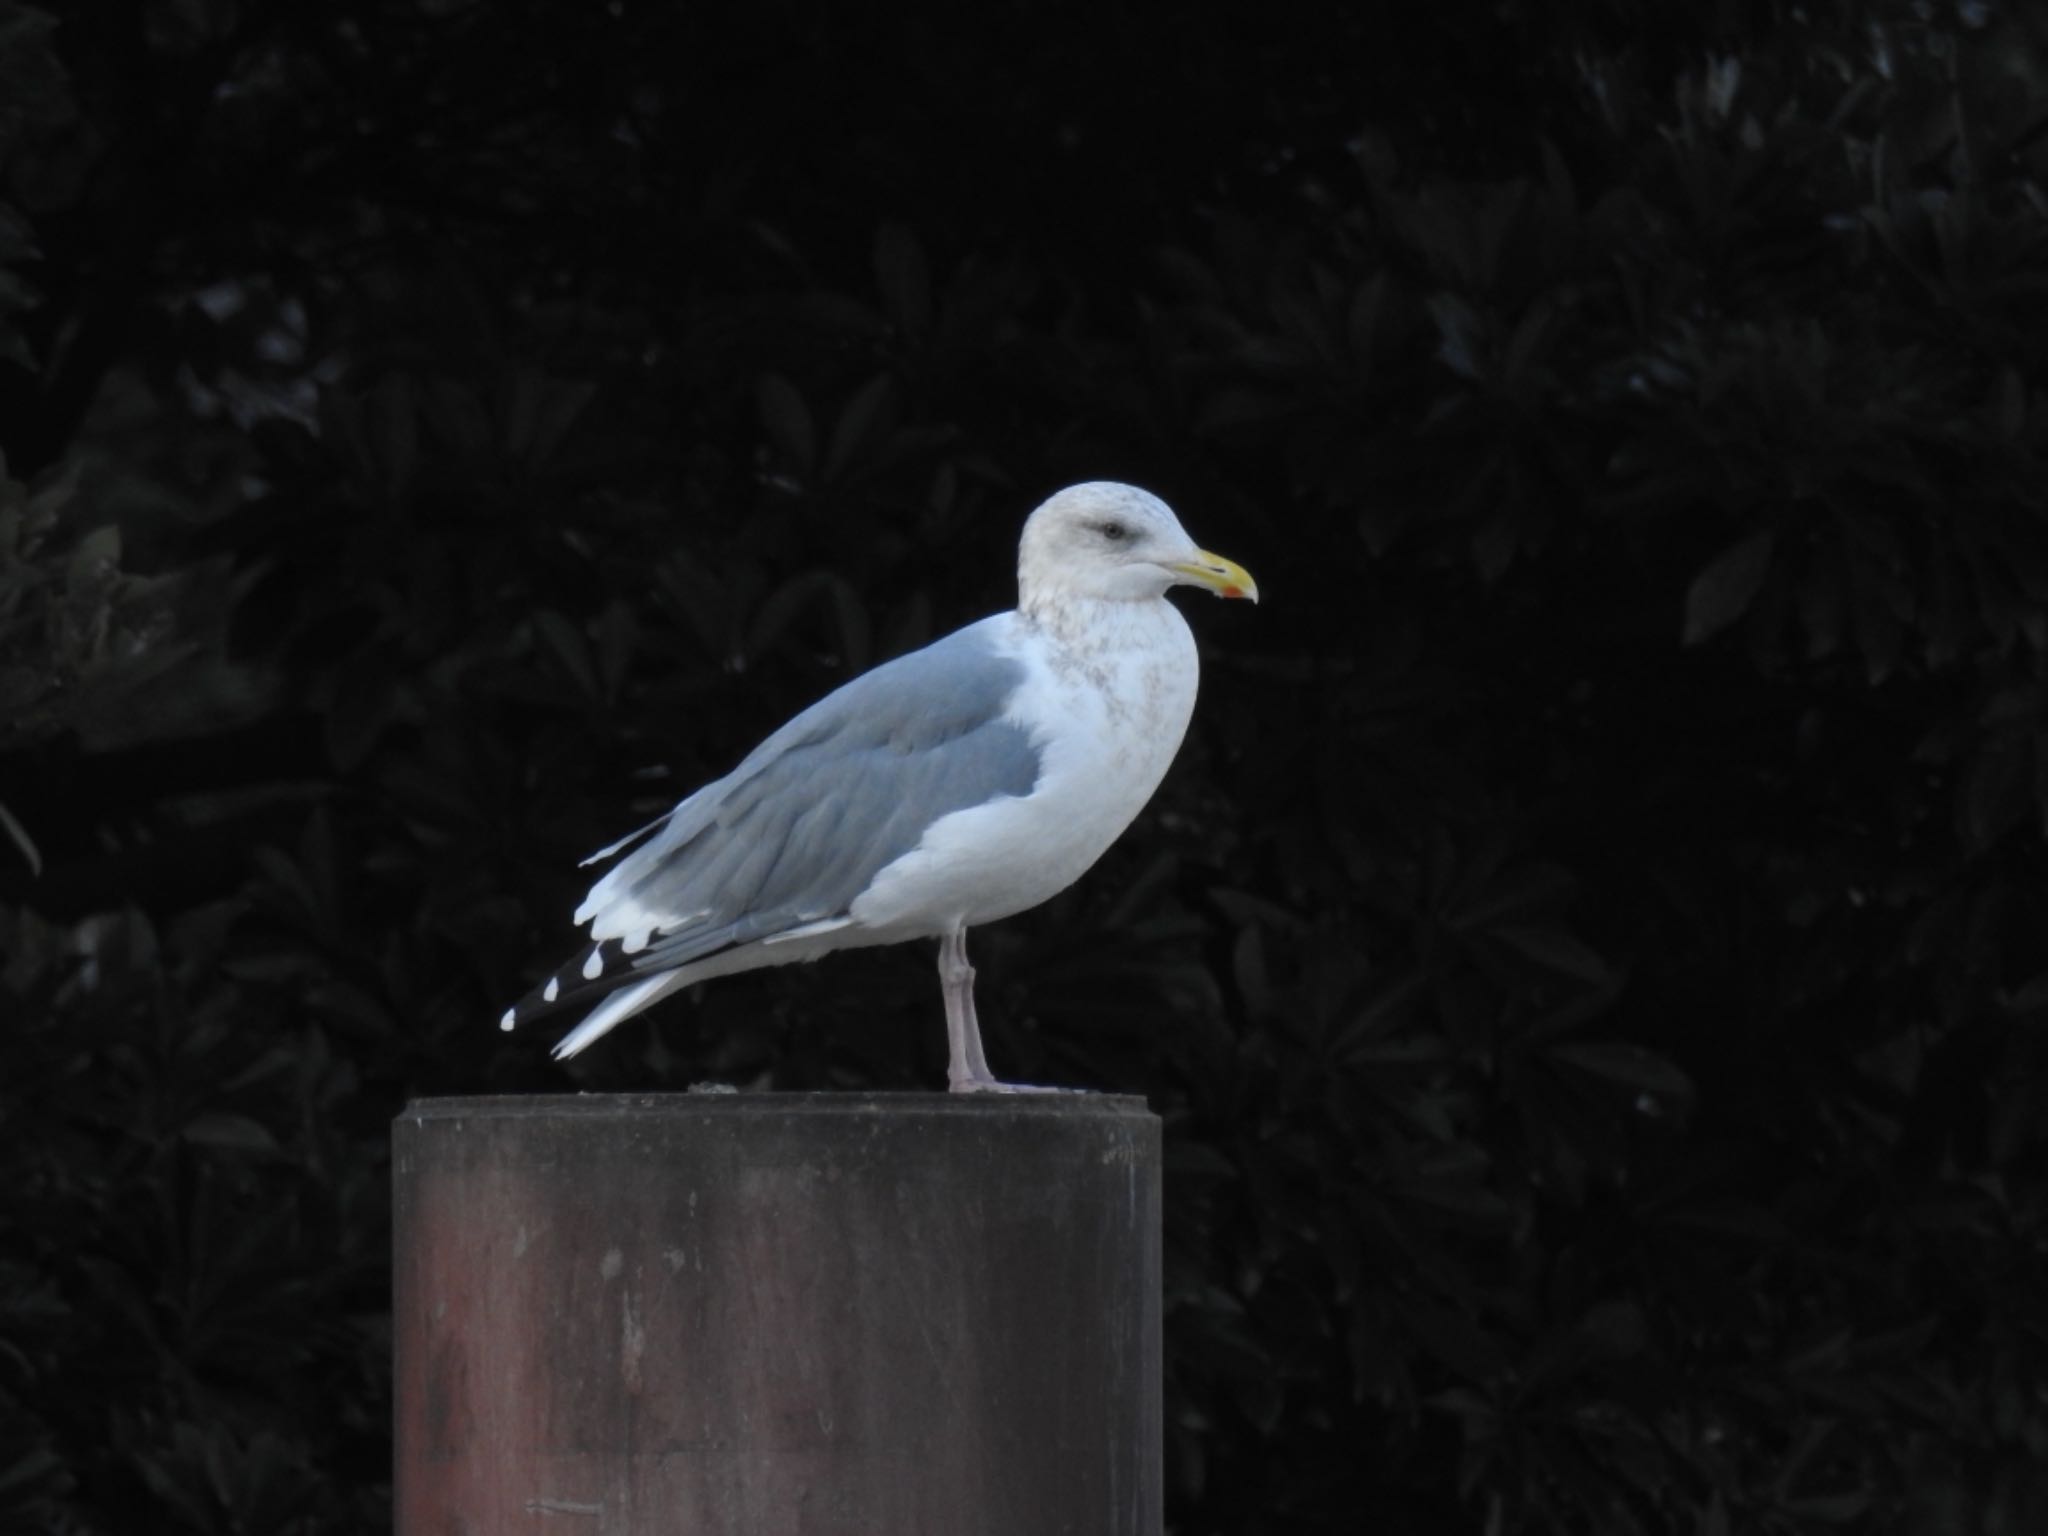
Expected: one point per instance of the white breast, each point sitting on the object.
(1108, 716)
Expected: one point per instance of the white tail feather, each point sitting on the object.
(617, 1008)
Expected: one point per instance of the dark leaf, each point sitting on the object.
(1724, 589)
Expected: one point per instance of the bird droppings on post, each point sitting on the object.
(948, 788)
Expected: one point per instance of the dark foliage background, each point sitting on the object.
(1592, 955)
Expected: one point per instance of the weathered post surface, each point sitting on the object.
(778, 1314)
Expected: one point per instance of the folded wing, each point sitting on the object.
(784, 843)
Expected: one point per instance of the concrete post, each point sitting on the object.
(778, 1314)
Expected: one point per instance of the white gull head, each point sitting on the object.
(1105, 542)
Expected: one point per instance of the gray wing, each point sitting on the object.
(801, 827)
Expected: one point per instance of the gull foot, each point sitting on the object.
(991, 1085)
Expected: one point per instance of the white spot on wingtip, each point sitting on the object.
(509, 1019)
(594, 966)
(553, 989)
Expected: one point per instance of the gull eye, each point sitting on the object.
(1114, 531)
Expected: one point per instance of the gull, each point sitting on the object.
(942, 790)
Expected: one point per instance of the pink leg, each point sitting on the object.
(967, 1068)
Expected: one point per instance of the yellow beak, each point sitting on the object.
(1226, 578)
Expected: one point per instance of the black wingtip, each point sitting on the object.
(591, 973)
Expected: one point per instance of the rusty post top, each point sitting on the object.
(695, 1105)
